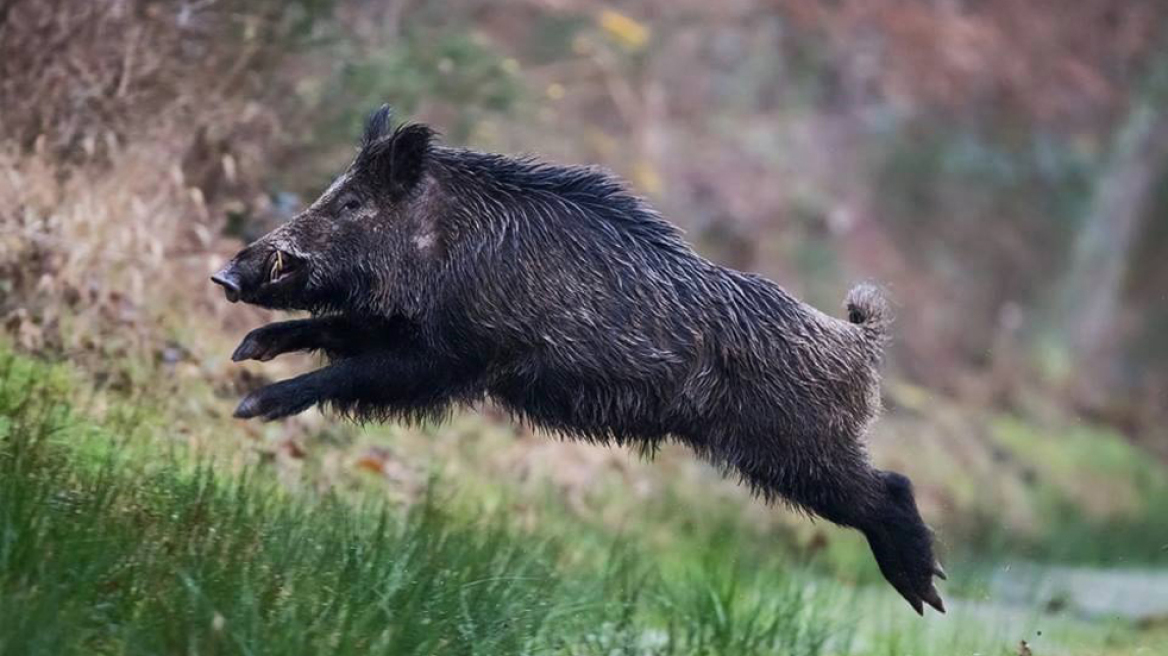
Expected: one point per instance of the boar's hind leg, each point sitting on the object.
(383, 382)
(336, 334)
(846, 490)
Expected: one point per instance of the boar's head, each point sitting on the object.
(362, 246)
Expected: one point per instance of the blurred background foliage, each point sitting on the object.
(1002, 166)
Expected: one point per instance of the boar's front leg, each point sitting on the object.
(336, 335)
(386, 382)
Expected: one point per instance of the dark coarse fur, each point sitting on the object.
(440, 276)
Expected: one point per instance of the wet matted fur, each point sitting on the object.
(439, 276)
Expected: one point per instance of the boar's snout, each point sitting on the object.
(228, 279)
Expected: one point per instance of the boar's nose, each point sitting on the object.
(229, 281)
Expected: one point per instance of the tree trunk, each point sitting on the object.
(1092, 295)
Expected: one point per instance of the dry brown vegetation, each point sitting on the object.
(129, 129)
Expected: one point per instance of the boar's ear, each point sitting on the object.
(409, 149)
(398, 160)
(377, 126)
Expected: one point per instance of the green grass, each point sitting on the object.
(104, 552)
(115, 539)
(1098, 499)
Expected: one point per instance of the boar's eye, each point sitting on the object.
(350, 204)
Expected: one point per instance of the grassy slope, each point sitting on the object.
(107, 548)
(115, 539)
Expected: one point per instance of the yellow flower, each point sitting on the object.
(625, 30)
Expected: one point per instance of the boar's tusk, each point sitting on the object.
(277, 266)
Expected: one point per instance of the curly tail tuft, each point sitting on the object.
(869, 308)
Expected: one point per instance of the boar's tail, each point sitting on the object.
(869, 308)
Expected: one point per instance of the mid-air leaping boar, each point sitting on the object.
(439, 276)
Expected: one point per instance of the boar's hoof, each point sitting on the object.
(260, 344)
(908, 569)
(276, 401)
(903, 545)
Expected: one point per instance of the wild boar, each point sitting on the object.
(439, 276)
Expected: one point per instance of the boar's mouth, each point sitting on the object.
(282, 267)
(262, 281)
(281, 273)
